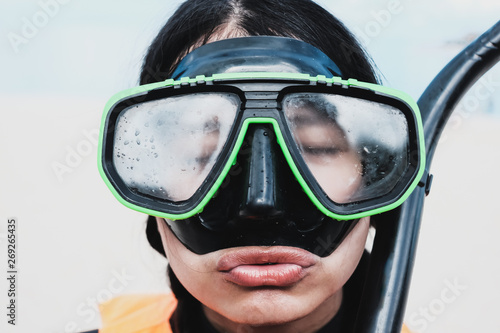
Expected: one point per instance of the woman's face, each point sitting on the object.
(262, 286)
(266, 285)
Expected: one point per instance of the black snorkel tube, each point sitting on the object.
(386, 288)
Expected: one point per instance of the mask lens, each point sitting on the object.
(356, 149)
(166, 148)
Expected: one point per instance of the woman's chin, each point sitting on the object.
(272, 307)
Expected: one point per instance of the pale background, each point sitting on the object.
(77, 245)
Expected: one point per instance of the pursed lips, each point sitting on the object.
(271, 266)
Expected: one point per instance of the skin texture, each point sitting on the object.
(304, 306)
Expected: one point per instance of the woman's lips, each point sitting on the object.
(275, 266)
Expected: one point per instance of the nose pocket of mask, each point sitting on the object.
(261, 197)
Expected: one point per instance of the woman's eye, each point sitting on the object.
(202, 161)
(322, 151)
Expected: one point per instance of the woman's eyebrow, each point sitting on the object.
(302, 119)
(211, 125)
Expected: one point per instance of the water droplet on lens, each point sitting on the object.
(138, 141)
(137, 133)
(126, 142)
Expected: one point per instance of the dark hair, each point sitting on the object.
(197, 21)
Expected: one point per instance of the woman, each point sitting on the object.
(262, 184)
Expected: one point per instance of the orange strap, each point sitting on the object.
(405, 329)
(138, 314)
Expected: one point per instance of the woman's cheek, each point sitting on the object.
(341, 179)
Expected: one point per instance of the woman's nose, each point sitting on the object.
(261, 199)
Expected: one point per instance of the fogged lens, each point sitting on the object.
(166, 148)
(356, 149)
